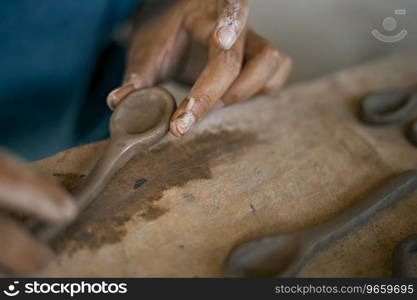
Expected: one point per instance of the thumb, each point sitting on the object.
(117, 95)
(153, 51)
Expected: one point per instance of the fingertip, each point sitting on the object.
(182, 124)
(116, 96)
(112, 100)
(226, 37)
(60, 211)
(231, 22)
(184, 118)
(173, 130)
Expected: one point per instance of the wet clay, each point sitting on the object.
(140, 121)
(284, 255)
(169, 165)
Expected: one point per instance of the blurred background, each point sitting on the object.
(326, 35)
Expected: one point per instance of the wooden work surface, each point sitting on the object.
(271, 165)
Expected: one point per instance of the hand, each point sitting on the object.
(208, 42)
(24, 193)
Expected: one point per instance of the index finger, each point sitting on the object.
(231, 22)
(220, 72)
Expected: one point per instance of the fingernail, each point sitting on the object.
(226, 36)
(117, 95)
(184, 122)
(112, 100)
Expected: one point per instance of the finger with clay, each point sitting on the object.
(235, 63)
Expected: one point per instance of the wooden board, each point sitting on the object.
(271, 165)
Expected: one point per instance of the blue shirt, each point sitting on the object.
(57, 65)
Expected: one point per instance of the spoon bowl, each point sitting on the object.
(265, 257)
(144, 112)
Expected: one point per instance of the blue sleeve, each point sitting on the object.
(54, 55)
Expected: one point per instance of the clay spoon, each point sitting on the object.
(284, 255)
(140, 121)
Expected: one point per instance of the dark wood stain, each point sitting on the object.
(69, 180)
(171, 164)
(139, 183)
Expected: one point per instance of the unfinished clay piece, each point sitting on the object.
(390, 108)
(284, 255)
(141, 120)
(387, 107)
(403, 253)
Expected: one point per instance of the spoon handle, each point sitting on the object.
(385, 195)
(117, 153)
(115, 156)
